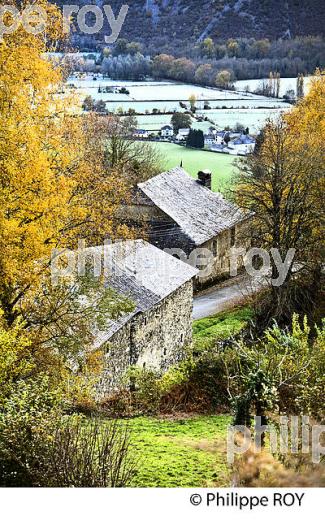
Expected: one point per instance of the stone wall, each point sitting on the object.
(220, 248)
(154, 339)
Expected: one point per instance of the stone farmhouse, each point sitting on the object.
(156, 332)
(182, 213)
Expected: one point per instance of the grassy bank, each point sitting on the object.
(221, 165)
(187, 452)
(223, 325)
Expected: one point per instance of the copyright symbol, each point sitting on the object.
(196, 499)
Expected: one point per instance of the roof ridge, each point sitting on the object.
(199, 212)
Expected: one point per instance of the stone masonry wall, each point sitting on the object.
(155, 339)
(220, 248)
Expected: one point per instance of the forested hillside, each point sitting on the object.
(172, 22)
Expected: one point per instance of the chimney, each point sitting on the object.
(204, 178)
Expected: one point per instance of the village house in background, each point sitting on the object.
(242, 145)
(233, 143)
(182, 134)
(141, 134)
(156, 333)
(167, 131)
(179, 212)
(209, 140)
(225, 141)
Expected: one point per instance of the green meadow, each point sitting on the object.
(189, 452)
(221, 165)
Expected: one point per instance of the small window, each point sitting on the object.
(145, 321)
(215, 248)
(232, 237)
(144, 365)
(165, 352)
(182, 338)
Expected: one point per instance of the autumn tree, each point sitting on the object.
(232, 48)
(180, 120)
(192, 99)
(204, 73)
(53, 179)
(261, 48)
(283, 183)
(182, 69)
(134, 161)
(161, 65)
(223, 79)
(207, 48)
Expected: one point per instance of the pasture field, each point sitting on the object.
(286, 84)
(221, 165)
(227, 107)
(180, 452)
(252, 118)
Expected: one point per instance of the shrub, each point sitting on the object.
(95, 454)
(40, 446)
(262, 469)
(27, 420)
(15, 357)
(195, 385)
(284, 371)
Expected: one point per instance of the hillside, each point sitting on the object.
(161, 22)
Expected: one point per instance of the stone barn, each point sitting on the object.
(180, 212)
(156, 333)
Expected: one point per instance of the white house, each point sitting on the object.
(242, 145)
(209, 140)
(182, 134)
(167, 131)
(219, 139)
(141, 134)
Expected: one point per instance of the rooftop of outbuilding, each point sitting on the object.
(199, 212)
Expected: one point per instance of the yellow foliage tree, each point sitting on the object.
(283, 183)
(54, 187)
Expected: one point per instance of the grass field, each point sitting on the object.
(187, 452)
(222, 166)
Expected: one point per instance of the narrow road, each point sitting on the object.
(225, 295)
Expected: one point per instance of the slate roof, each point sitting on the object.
(141, 272)
(200, 213)
(218, 147)
(244, 139)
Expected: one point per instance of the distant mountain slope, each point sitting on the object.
(193, 20)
